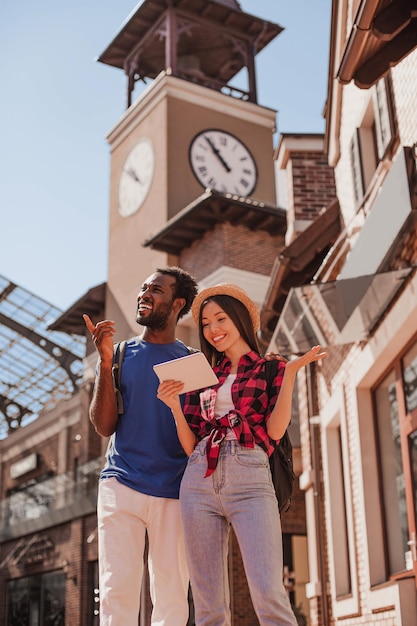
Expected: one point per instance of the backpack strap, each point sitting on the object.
(271, 369)
(116, 370)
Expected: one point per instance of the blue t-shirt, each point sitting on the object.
(145, 453)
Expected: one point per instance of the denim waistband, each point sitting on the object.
(227, 446)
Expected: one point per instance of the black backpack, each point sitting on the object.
(280, 461)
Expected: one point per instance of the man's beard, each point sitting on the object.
(157, 320)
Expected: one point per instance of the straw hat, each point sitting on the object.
(226, 289)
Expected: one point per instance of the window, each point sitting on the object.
(410, 379)
(413, 466)
(356, 165)
(392, 474)
(342, 569)
(372, 140)
(36, 600)
(338, 468)
(364, 154)
(409, 374)
(295, 572)
(384, 127)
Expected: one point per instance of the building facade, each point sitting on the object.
(220, 228)
(335, 266)
(358, 414)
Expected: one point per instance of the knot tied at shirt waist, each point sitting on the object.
(218, 434)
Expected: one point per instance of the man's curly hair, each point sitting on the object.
(186, 286)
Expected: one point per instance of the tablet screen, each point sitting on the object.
(193, 370)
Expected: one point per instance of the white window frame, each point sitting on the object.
(373, 140)
(392, 336)
(333, 418)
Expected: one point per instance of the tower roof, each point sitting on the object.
(229, 3)
(207, 41)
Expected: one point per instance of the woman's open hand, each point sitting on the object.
(314, 354)
(281, 414)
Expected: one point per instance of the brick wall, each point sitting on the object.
(61, 547)
(313, 184)
(310, 185)
(407, 255)
(234, 246)
(404, 79)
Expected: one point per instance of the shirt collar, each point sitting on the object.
(247, 359)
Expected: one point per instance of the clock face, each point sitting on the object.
(136, 177)
(222, 162)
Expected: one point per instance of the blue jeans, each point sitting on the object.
(239, 493)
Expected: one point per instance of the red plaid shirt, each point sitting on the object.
(252, 407)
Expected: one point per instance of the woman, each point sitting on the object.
(228, 432)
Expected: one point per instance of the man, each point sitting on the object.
(139, 485)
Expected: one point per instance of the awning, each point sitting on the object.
(210, 209)
(71, 321)
(336, 313)
(297, 264)
(392, 210)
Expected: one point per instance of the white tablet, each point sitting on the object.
(193, 370)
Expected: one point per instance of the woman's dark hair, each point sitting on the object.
(240, 317)
(186, 286)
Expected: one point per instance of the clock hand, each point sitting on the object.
(218, 155)
(133, 175)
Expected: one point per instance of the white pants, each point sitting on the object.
(124, 516)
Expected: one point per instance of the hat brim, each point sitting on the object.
(226, 289)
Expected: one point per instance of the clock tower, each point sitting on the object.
(192, 156)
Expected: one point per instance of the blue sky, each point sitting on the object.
(58, 103)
